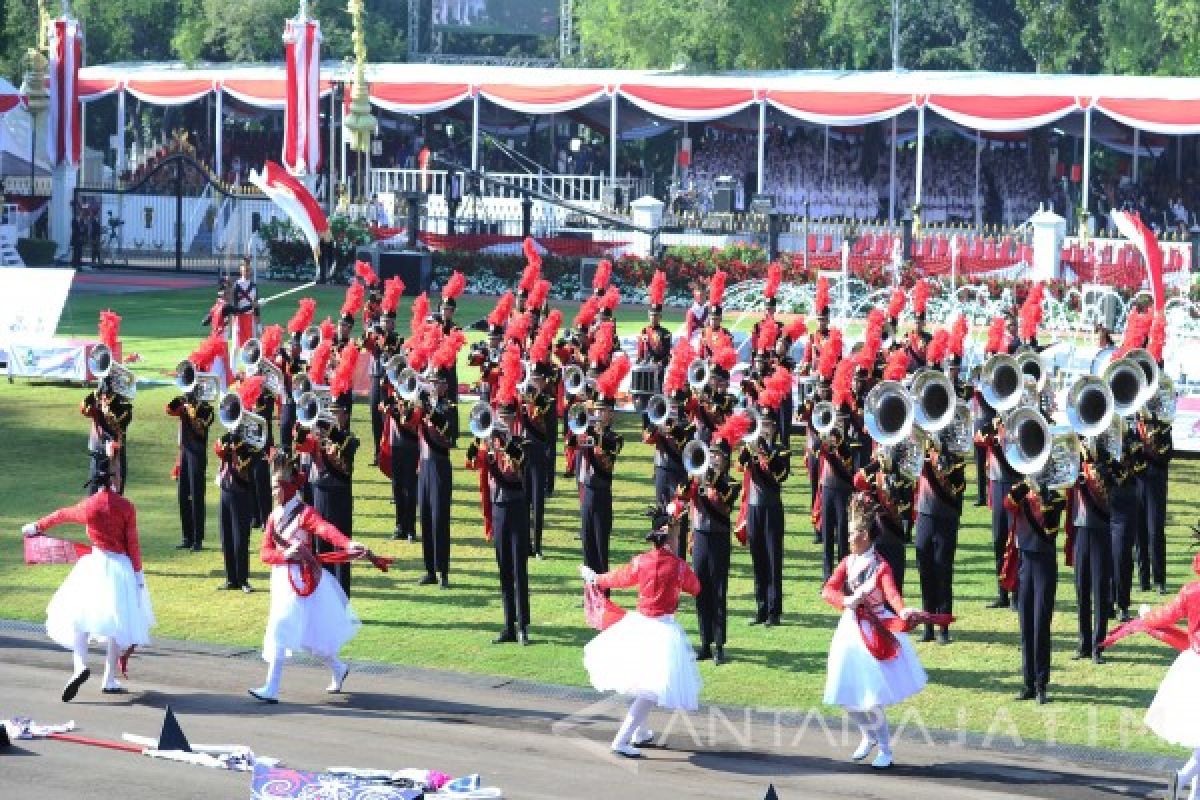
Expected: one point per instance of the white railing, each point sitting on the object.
(583, 189)
(19, 184)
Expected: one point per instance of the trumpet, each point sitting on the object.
(310, 340)
(410, 385)
(1127, 382)
(659, 410)
(824, 419)
(301, 385)
(251, 427)
(1089, 406)
(102, 364)
(888, 413)
(312, 408)
(206, 385)
(1150, 370)
(250, 357)
(1027, 440)
(574, 380)
(484, 424)
(934, 398)
(699, 374)
(697, 460)
(1032, 364)
(1063, 464)
(395, 365)
(1001, 382)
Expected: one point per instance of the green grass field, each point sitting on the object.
(972, 681)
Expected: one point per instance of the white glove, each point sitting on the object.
(1144, 610)
(589, 574)
(31, 530)
(356, 548)
(906, 612)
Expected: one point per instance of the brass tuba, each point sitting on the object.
(957, 437)
(1089, 406)
(1061, 470)
(659, 410)
(103, 364)
(934, 398)
(1150, 370)
(1127, 382)
(251, 427)
(1033, 365)
(252, 360)
(697, 458)
(206, 385)
(699, 374)
(1027, 440)
(888, 413)
(1001, 382)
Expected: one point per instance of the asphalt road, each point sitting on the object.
(526, 741)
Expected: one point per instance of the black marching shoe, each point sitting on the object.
(397, 534)
(1026, 694)
(184, 546)
(197, 547)
(227, 586)
(928, 637)
(72, 688)
(704, 653)
(427, 580)
(445, 583)
(1125, 616)
(505, 637)
(773, 622)
(1080, 654)
(756, 621)
(719, 656)
(1041, 696)
(1161, 588)
(1001, 601)
(1098, 658)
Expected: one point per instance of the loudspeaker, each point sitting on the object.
(255, 221)
(587, 271)
(413, 267)
(723, 196)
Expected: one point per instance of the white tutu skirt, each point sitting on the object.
(319, 624)
(101, 598)
(858, 681)
(645, 657)
(1175, 713)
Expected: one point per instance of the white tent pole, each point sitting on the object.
(121, 160)
(475, 132)
(1087, 157)
(978, 161)
(612, 138)
(920, 152)
(762, 146)
(1137, 151)
(219, 134)
(892, 180)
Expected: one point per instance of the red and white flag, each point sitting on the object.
(301, 116)
(1132, 228)
(64, 133)
(295, 200)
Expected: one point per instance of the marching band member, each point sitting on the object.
(291, 364)
(982, 414)
(654, 341)
(812, 451)
(109, 412)
(714, 403)
(435, 484)
(597, 449)
(260, 471)
(837, 464)
(538, 426)
(344, 344)
(1092, 555)
(236, 480)
(872, 664)
(1124, 508)
(486, 356)
(453, 289)
(715, 335)
(104, 596)
(766, 464)
(309, 611)
(244, 309)
(940, 490)
(820, 338)
(918, 339)
(501, 461)
(399, 450)
(195, 418)
(217, 319)
(377, 328)
(646, 654)
(712, 496)
(792, 333)
(1001, 479)
(1154, 429)
(672, 436)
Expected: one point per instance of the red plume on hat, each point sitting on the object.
(603, 274)
(110, 330)
(538, 294)
(204, 355)
(774, 278)
(897, 366)
(602, 344)
(725, 356)
(995, 337)
(873, 340)
(778, 386)
(249, 391)
(447, 352)
(611, 299)
(272, 337)
(682, 356)
(343, 374)
(658, 288)
(958, 336)
(821, 301)
(768, 335)
(422, 344)
(843, 383)
(539, 352)
(921, 296)
(608, 383)
(831, 354)
(587, 312)
(1158, 336)
(303, 317)
(1137, 327)
(420, 312)
(1031, 312)
(510, 374)
(716, 288)
(318, 365)
(796, 329)
(502, 311)
(897, 303)
(366, 272)
(393, 288)
(454, 287)
(532, 256)
(354, 299)
(518, 328)
(732, 430)
(938, 347)
(328, 329)
(533, 271)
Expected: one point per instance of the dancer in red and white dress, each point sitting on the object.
(872, 664)
(646, 654)
(104, 597)
(309, 610)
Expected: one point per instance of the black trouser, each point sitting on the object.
(1152, 539)
(667, 481)
(406, 453)
(237, 508)
(536, 467)
(890, 546)
(261, 474)
(981, 473)
(192, 466)
(812, 465)
(334, 500)
(287, 424)
(595, 517)
(1001, 525)
(374, 398)
(786, 411)
(764, 530)
(100, 459)
(434, 489)
(510, 533)
(710, 560)
(1037, 581)
(1093, 593)
(1123, 521)
(123, 464)
(937, 541)
(835, 510)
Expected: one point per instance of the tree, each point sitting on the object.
(1133, 43)
(1062, 35)
(1179, 22)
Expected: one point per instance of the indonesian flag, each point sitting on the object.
(64, 133)
(1132, 228)
(295, 200)
(301, 116)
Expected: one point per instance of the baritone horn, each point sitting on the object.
(824, 419)
(957, 437)
(658, 410)
(206, 385)
(1089, 406)
(888, 413)
(699, 373)
(697, 459)
(251, 359)
(1127, 382)
(934, 400)
(756, 426)
(234, 416)
(395, 365)
(310, 340)
(1002, 382)
(312, 407)
(1033, 365)
(574, 379)
(484, 424)
(1150, 370)
(579, 419)
(1062, 466)
(1027, 440)
(1162, 404)
(103, 364)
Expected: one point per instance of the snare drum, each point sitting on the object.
(646, 379)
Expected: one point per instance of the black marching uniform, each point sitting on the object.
(405, 443)
(1152, 488)
(510, 530)
(377, 357)
(767, 466)
(237, 507)
(710, 515)
(110, 423)
(537, 422)
(939, 502)
(1037, 581)
(265, 408)
(670, 476)
(195, 418)
(1001, 479)
(1124, 517)
(332, 480)
(836, 475)
(1093, 554)
(594, 471)
(435, 487)
(893, 494)
(287, 404)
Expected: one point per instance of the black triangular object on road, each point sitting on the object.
(770, 795)
(172, 737)
(4, 742)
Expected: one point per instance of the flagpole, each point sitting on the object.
(286, 292)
